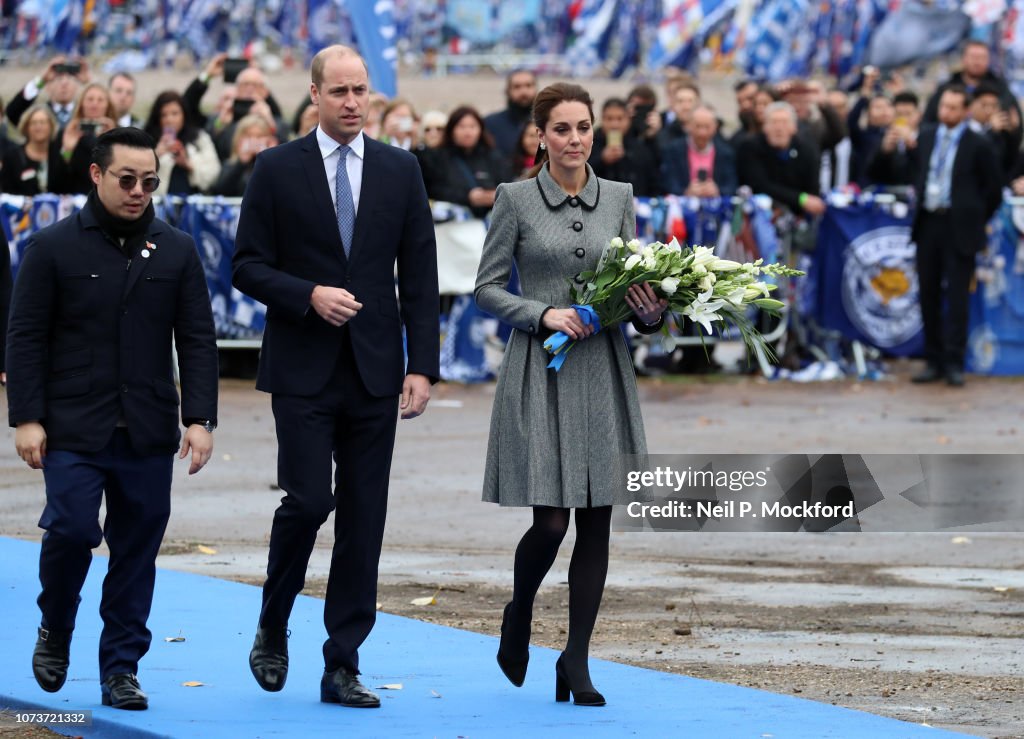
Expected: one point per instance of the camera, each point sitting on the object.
(640, 114)
(240, 108)
(233, 68)
(72, 68)
(87, 127)
(702, 175)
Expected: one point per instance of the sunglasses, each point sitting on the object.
(434, 128)
(128, 181)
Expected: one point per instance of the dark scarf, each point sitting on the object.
(121, 228)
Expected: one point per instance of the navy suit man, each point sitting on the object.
(324, 220)
(955, 174)
(98, 298)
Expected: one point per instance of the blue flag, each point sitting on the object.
(375, 32)
(866, 278)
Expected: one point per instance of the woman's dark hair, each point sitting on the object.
(134, 138)
(521, 156)
(297, 118)
(188, 133)
(486, 141)
(546, 101)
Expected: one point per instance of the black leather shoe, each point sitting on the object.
(513, 667)
(580, 697)
(268, 659)
(123, 691)
(931, 373)
(342, 686)
(955, 378)
(50, 659)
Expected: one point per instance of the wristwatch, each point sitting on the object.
(208, 425)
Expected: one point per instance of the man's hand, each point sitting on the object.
(612, 154)
(481, 198)
(335, 305)
(216, 66)
(51, 69)
(200, 442)
(814, 205)
(652, 124)
(30, 442)
(415, 396)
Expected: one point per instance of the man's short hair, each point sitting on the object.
(613, 103)
(645, 93)
(907, 97)
(316, 69)
(986, 88)
(783, 106)
(959, 90)
(745, 82)
(518, 71)
(135, 138)
(126, 75)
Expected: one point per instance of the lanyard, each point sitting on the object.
(952, 139)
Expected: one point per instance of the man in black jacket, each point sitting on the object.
(976, 72)
(99, 296)
(953, 170)
(506, 125)
(780, 163)
(621, 157)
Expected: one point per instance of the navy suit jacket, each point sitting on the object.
(89, 340)
(288, 243)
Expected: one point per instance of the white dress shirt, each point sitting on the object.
(354, 162)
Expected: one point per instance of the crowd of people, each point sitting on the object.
(794, 140)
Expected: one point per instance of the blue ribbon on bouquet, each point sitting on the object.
(558, 339)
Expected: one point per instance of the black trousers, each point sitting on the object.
(355, 430)
(138, 496)
(943, 273)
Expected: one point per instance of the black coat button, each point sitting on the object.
(533, 330)
(581, 252)
(124, 388)
(578, 279)
(574, 202)
(577, 226)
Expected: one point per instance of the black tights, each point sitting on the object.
(587, 570)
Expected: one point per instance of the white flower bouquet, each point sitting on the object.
(695, 282)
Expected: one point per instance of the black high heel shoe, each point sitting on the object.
(514, 669)
(563, 688)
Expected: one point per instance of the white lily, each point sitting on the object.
(633, 261)
(736, 296)
(669, 285)
(703, 312)
(702, 256)
(724, 265)
(634, 245)
(756, 289)
(699, 269)
(708, 282)
(616, 243)
(673, 246)
(650, 262)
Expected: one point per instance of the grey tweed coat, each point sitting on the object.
(554, 435)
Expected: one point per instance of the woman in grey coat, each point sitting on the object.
(556, 437)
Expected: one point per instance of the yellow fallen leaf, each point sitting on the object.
(1002, 589)
(227, 457)
(379, 605)
(174, 638)
(390, 686)
(960, 540)
(428, 601)
(192, 684)
(203, 549)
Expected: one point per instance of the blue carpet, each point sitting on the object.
(451, 686)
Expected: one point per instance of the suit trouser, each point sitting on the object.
(138, 496)
(357, 430)
(943, 271)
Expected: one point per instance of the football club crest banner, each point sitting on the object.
(866, 278)
(995, 340)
